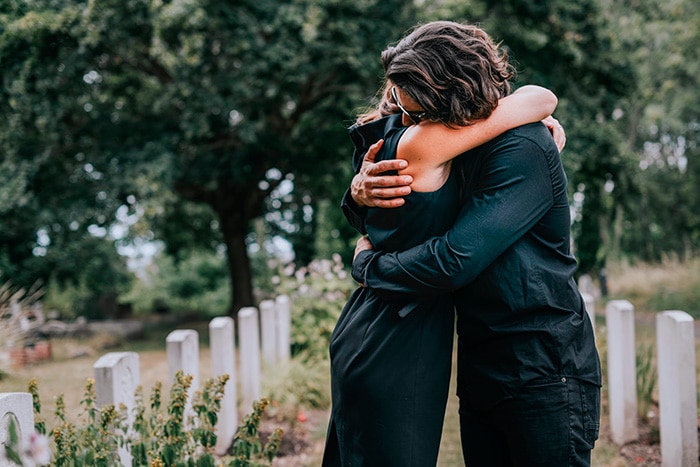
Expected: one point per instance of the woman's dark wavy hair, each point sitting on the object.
(454, 71)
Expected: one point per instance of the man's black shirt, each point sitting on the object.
(521, 319)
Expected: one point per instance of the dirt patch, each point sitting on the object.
(645, 452)
(303, 440)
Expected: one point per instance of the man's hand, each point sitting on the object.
(370, 188)
(363, 244)
(557, 131)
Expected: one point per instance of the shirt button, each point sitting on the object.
(563, 380)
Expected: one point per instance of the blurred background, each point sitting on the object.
(175, 156)
(181, 159)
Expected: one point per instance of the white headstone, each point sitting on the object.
(589, 301)
(17, 406)
(223, 361)
(622, 371)
(268, 332)
(249, 341)
(675, 334)
(284, 328)
(116, 379)
(182, 348)
(586, 285)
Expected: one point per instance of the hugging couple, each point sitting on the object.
(461, 196)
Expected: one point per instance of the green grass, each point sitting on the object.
(651, 289)
(671, 285)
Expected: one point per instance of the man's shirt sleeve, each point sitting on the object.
(513, 191)
(354, 213)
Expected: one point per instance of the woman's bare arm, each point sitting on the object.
(431, 144)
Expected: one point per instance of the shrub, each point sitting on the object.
(197, 283)
(155, 438)
(247, 445)
(85, 276)
(301, 382)
(318, 293)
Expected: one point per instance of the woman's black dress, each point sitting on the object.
(391, 360)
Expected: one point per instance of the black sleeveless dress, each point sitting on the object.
(391, 360)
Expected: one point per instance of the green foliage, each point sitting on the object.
(646, 378)
(197, 284)
(318, 293)
(632, 143)
(95, 441)
(177, 438)
(573, 51)
(248, 451)
(83, 277)
(145, 105)
(299, 383)
(39, 422)
(193, 119)
(70, 300)
(12, 448)
(335, 235)
(660, 211)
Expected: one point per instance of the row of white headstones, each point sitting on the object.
(265, 339)
(676, 376)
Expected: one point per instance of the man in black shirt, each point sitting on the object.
(528, 370)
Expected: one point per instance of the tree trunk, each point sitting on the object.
(238, 263)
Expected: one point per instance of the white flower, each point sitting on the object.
(38, 449)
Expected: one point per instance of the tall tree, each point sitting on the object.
(111, 102)
(662, 124)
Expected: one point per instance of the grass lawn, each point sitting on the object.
(67, 376)
(654, 289)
